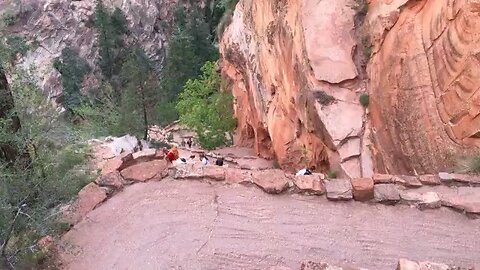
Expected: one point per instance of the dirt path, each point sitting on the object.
(192, 225)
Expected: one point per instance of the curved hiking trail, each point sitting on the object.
(183, 224)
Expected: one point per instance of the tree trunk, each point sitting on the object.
(145, 119)
(7, 151)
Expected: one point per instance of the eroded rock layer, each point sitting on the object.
(291, 68)
(425, 77)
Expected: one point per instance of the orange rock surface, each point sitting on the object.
(425, 78)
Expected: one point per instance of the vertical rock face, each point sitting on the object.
(56, 24)
(291, 68)
(425, 77)
(297, 88)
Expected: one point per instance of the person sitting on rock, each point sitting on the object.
(219, 162)
(204, 159)
(172, 155)
(189, 142)
(306, 171)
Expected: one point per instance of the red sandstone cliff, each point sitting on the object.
(291, 68)
(294, 81)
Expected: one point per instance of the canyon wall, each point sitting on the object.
(424, 82)
(296, 87)
(291, 67)
(51, 25)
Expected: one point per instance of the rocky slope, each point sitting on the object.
(56, 24)
(295, 83)
(293, 73)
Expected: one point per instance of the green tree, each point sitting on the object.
(73, 69)
(205, 109)
(140, 94)
(110, 30)
(190, 46)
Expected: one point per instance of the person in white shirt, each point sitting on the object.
(306, 171)
(204, 160)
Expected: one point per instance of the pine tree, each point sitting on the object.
(105, 38)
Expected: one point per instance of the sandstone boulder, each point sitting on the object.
(430, 200)
(216, 173)
(311, 184)
(145, 171)
(117, 163)
(466, 199)
(407, 181)
(404, 264)
(386, 193)
(88, 198)
(238, 176)
(113, 179)
(410, 197)
(429, 179)
(466, 178)
(362, 189)
(339, 189)
(382, 179)
(145, 155)
(433, 266)
(445, 177)
(271, 181)
(188, 171)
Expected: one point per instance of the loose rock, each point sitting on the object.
(382, 179)
(311, 184)
(339, 190)
(88, 198)
(430, 200)
(271, 181)
(433, 266)
(238, 176)
(152, 170)
(404, 264)
(113, 179)
(407, 181)
(429, 179)
(214, 172)
(386, 193)
(362, 189)
(466, 178)
(145, 155)
(465, 199)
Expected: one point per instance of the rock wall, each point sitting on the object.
(56, 24)
(296, 87)
(291, 67)
(425, 77)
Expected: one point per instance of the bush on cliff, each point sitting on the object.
(205, 109)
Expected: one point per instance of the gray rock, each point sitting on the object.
(339, 190)
(404, 264)
(386, 193)
(430, 200)
(445, 177)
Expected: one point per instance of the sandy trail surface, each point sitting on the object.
(194, 225)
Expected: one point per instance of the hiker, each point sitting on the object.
(171, 155)
(204, 159)
(183, 143)
(219, 162)
(306, 171)
(189, 142)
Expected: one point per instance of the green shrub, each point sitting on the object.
(469, 164)
(364, 100)
(332, 174)
(9, 18)
(361, 8)
(323, 98)
(367, 47)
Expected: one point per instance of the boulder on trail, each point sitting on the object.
(383, 179)
(386, 193)
(433, 266)
(362, 189)
(404, 264)
(271, 181)
(407, 181)
(113, 180)
(145, 155)
(465, 199)
(311, 184)
(188, 171)
(125, 144)
(430, 179)
(429, 200)
(117, 164)
(238, 176)
(339, 189)
(214, 173)
(145, 171)
(88, 198)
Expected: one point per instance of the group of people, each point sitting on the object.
(189, 142)
(173, 155)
